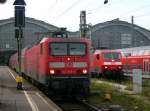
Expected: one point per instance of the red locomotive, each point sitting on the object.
(60, 64)
(107, 63)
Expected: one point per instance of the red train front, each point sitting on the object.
(60, 64)
(107, 63)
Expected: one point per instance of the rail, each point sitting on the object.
(145, 75)
(77, 105)
(91, 107)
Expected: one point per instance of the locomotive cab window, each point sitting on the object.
(97, 56)
(41, 49)
(77, 49)
(115, 56)
(58, 49)
(67, 49)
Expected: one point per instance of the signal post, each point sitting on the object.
(19, 24)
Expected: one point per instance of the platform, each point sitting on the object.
(29, 99)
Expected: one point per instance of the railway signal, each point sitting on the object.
(19, 16)
(83, 25)
(19, 23)
(106, 1)
(19, 13)
(2, 1)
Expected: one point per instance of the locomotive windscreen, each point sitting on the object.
(67, 49)
(114, 56)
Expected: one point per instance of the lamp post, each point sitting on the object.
(19, 24)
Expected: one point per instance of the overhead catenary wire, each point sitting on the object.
(142, 15)
(53, 5)
(130, 13)
(94, 10)
(124, 14)
(136, 15)
(135, 10)
(68, 9)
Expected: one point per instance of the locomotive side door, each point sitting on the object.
(145, 66)
(98, 63)
(39, 53)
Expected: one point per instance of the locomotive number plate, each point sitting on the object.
(68, 64)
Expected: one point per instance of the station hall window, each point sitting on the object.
(126, 39)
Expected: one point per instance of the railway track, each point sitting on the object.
(76, 105)
(71, 104)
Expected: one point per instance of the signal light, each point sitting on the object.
(18, 33)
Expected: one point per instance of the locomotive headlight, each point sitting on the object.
(106, 67)
(84, 71)
(119, 67)
(52, 71)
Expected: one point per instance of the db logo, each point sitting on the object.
(68, 64)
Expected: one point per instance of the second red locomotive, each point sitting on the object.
(107, 63)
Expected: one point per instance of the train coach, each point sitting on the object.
(136, 58)
(107, 63)
(62, 65)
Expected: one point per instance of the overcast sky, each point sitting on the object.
(65, 13)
